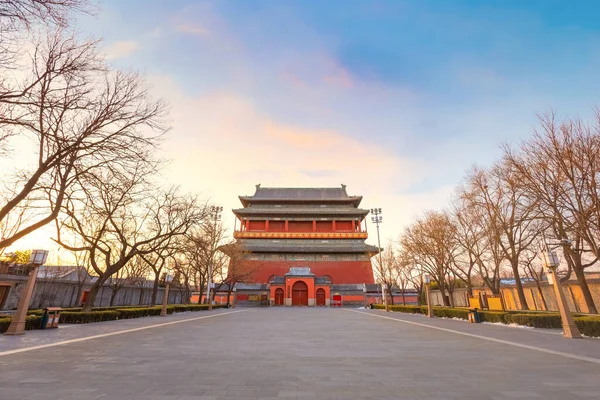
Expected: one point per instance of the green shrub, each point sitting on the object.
(31, 322)
(79, 317)
(451, 313)
(193, 307)
(406, 309)
(127, 313)
(588, 326)
(493, 316)
(535, 320)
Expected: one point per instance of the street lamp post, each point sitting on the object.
(168, 280)
(427, 282)
(569, 328)
(216, 211)
(17, 325)
(377, 219)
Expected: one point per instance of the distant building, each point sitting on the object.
(304, 246)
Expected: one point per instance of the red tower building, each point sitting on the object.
(300, 242)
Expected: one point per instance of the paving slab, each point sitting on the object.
(295, 353)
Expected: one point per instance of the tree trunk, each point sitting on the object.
(469, 286)
(202, 291)
(75, 300)
(442, 285)
(186, 283)
(391, 294)
(113, 295)
(585, 289)
(141, 299)
(519, 285)
(155, 289)
(229, 291)
(403, 298)
(541, 292)
(451, 295)
(91, 298)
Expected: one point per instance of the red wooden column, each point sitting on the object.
(353, 226)
(247, 222)
(314, 226)
(333, 225)
(286, 225)
(267, 226)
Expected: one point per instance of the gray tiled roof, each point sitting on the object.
(314, 210)
(307, 246)
(348, 287)
(251, 286)
(301, 194)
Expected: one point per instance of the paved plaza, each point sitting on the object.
(296, 353)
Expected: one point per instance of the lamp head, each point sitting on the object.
(550, 259)
(38, 257)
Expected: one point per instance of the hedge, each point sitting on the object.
(549, 321)
(588, 325)
(31, 322)
(78, 317)
(128, 313)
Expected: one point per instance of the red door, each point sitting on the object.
(320, 297)
(300, 294)
(279, 297)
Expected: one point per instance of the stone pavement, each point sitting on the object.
(296, 353)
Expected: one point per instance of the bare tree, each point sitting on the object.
(237, 269)
(118, 218)
(386, 272)
(558, 167)
(158, 261)
(431, 243)
(79, 118)
(512, 214)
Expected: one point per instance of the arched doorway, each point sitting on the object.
(320, 297)
(279, 297)
(300, 294)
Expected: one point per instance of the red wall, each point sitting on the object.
(339, 271)
(324, 226)
(300, 226)
(343, 226)
(276, 226)
(256, 225)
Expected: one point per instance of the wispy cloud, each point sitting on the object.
(193, 29)
(121, 49)
(221, 145)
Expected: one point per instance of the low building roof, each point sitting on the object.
(271, 194)
(335, 210)
(307, 246)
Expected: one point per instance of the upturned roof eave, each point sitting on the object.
(354, 200)
(282, 211)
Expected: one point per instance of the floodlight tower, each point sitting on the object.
(377, 219)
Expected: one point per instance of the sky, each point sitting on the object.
(395, 99)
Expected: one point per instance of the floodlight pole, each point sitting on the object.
(17, 325)
(551, 262)
(168, 279)
(217, 213)
(427, 282)
(377, 218)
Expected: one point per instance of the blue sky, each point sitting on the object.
(396, 99)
